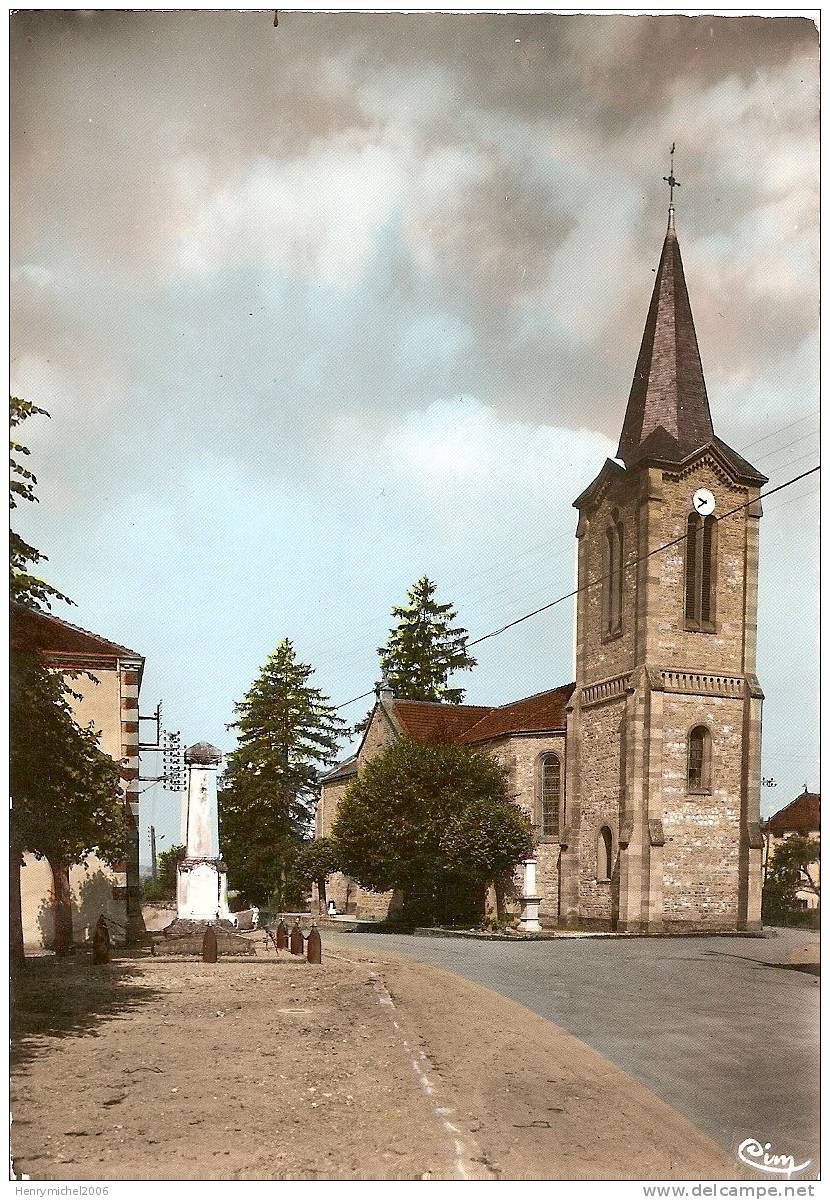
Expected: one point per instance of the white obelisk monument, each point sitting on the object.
(202, 893)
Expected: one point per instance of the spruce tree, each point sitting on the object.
(287, 733)
(425, 648)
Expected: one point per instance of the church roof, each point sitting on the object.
(534, 714)
(429, 720)
(801, 815)
(342, 770)
(667, 418)
(432, 721)
(51, 636)
(668, 408)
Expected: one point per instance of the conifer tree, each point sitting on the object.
(287, 732)
(425, 648)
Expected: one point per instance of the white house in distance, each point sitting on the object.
(801, 817)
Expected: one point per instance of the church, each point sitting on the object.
(642, 777)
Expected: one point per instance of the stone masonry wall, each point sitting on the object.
(721, 651)
(700, 865)
(521, 756)
(606, 657)
(379, 735)
(600, 792)
(330, 796)
(348, 895)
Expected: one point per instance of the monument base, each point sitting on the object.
(202, 890)
(185, 936)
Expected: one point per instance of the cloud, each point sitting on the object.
(321, 307)
(316, 216)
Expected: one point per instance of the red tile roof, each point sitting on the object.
(41, 631)
(534, 714)
(431, 721)
(801, 815)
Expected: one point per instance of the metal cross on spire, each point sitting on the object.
(670, 179)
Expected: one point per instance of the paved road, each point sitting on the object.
(715, 1026)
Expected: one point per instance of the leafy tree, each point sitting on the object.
(317, 860)
(165, 885)
(287, 733)
(425, 648)
(24, 587)
(66, 798)
(435, 821)
(791, 870)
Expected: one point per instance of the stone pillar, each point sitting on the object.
(569, 827)
(632, 851)
(202, 881)
(750, 867)
(654, 837)
(529, 919)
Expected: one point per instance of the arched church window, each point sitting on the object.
(700, 571)
(613, 577)
(550, 780)
(605, 845)
(699, 760)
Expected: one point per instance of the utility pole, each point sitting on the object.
(153, 860)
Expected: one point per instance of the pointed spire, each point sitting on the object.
(668, 409)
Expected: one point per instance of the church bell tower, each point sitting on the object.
(661, 818)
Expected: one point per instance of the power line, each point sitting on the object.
(773, 453)
(593, 582)
(546, 545)
(332, 650)
(635, 561)
(782, 429)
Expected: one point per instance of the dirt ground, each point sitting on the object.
(267, 1068)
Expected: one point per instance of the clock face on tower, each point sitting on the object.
(703, 502)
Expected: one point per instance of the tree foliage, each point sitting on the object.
(435, 821)
(66, 797)
(25, 587)
(317, 859)
(425, 648)
(287, 733)
(165, 885)
(792, 869)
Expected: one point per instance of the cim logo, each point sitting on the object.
(759, 1156)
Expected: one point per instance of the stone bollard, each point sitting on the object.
(296, 942)
(282, 935)
(101, 942)
(210, 949)
(314, 946)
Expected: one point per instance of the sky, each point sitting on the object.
(321, 308)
